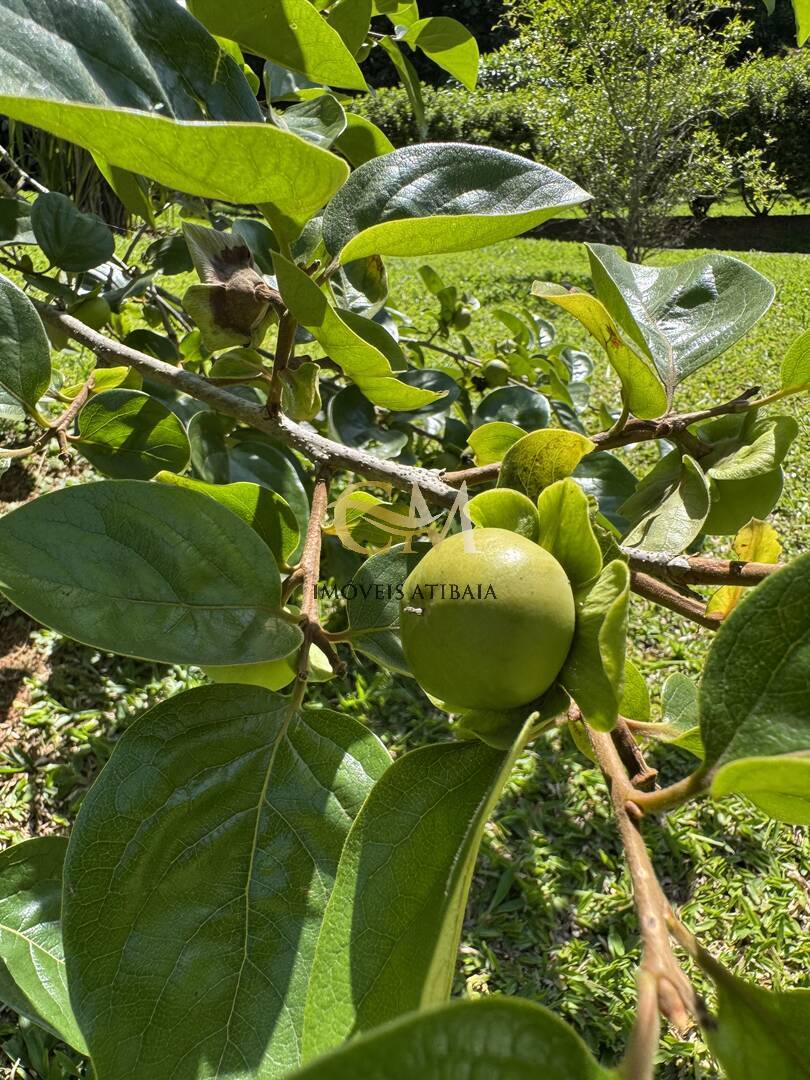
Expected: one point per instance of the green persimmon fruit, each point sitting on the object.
(489, 628)
(273, 674)
(735, 502)
(496, 373)
(462, 318)
(95, 313)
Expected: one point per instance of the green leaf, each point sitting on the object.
(604, 478)
(766, 444)
(509, 1038)
(539, 459)
(491, 441)
(320, 121)
(148, 571)
(362, 141)
(753, 697)
(680, 316)
(237, 163)
(801, 9)
(73, 241)
(642, 391)
(680, 714)
(255, 462)
(390, 935)
(449, 44)
(410, 81)
(32, 962)
(132, 190)
(594, 672)
(15, 222)
(288, 32)
(265, 511)
(25, 355)
(129, 435)
(757, 1032)
(52, 52)
(300, 391)
(635, 702)
(197, 877)
(502, 508)
(566, 531)
(364, 364)
(518, 405)
(778, 785)
(372, 606)
(351, 19)
(441, 197)
(796, 364)
(678, 518)
(352, 421)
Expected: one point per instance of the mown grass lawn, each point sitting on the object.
(551, 915)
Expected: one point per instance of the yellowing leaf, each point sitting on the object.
(755, 542)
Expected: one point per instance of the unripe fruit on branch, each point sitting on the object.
(496, 373)
(95, 312)
(489, 628)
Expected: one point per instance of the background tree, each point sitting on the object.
(636, 90)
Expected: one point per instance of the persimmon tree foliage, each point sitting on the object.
(253, 888)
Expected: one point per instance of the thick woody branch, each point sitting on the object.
(317, 448)
(698, 570)
(665, 596)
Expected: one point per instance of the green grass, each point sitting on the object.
(551, 915)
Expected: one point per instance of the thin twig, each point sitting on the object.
(640, 773)
(675, 795)
(665, 596)
(285, 343)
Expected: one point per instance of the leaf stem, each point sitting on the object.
(669, 798)
(285, 343)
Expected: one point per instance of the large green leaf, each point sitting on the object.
(265, 511)
(130, 435)
(372, 606)
(146, 570)
(642, 390)
(25, 355)
(796, 365)
(758, 1033)
(566, 531)
(237, 163)
(266, 465)
(503, 508)
(390, 934)
(449, 44)
(609, 481)
(15, 222)
(594, 672)
(674, 522)
(491, 441)
(353, 421)
(362, 140)
(753, 697)
(288, 32)
(197, 877)
(515, 405)
(541, 458)
(73, 241)
(437, 197)
(681, 316)
(496, 1039)
(107, 52)
(360, 360)
(32, 963)
(754, 710)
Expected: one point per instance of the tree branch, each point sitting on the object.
(675, 995)
(317, 448)
(698, 570)
(665, 596)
